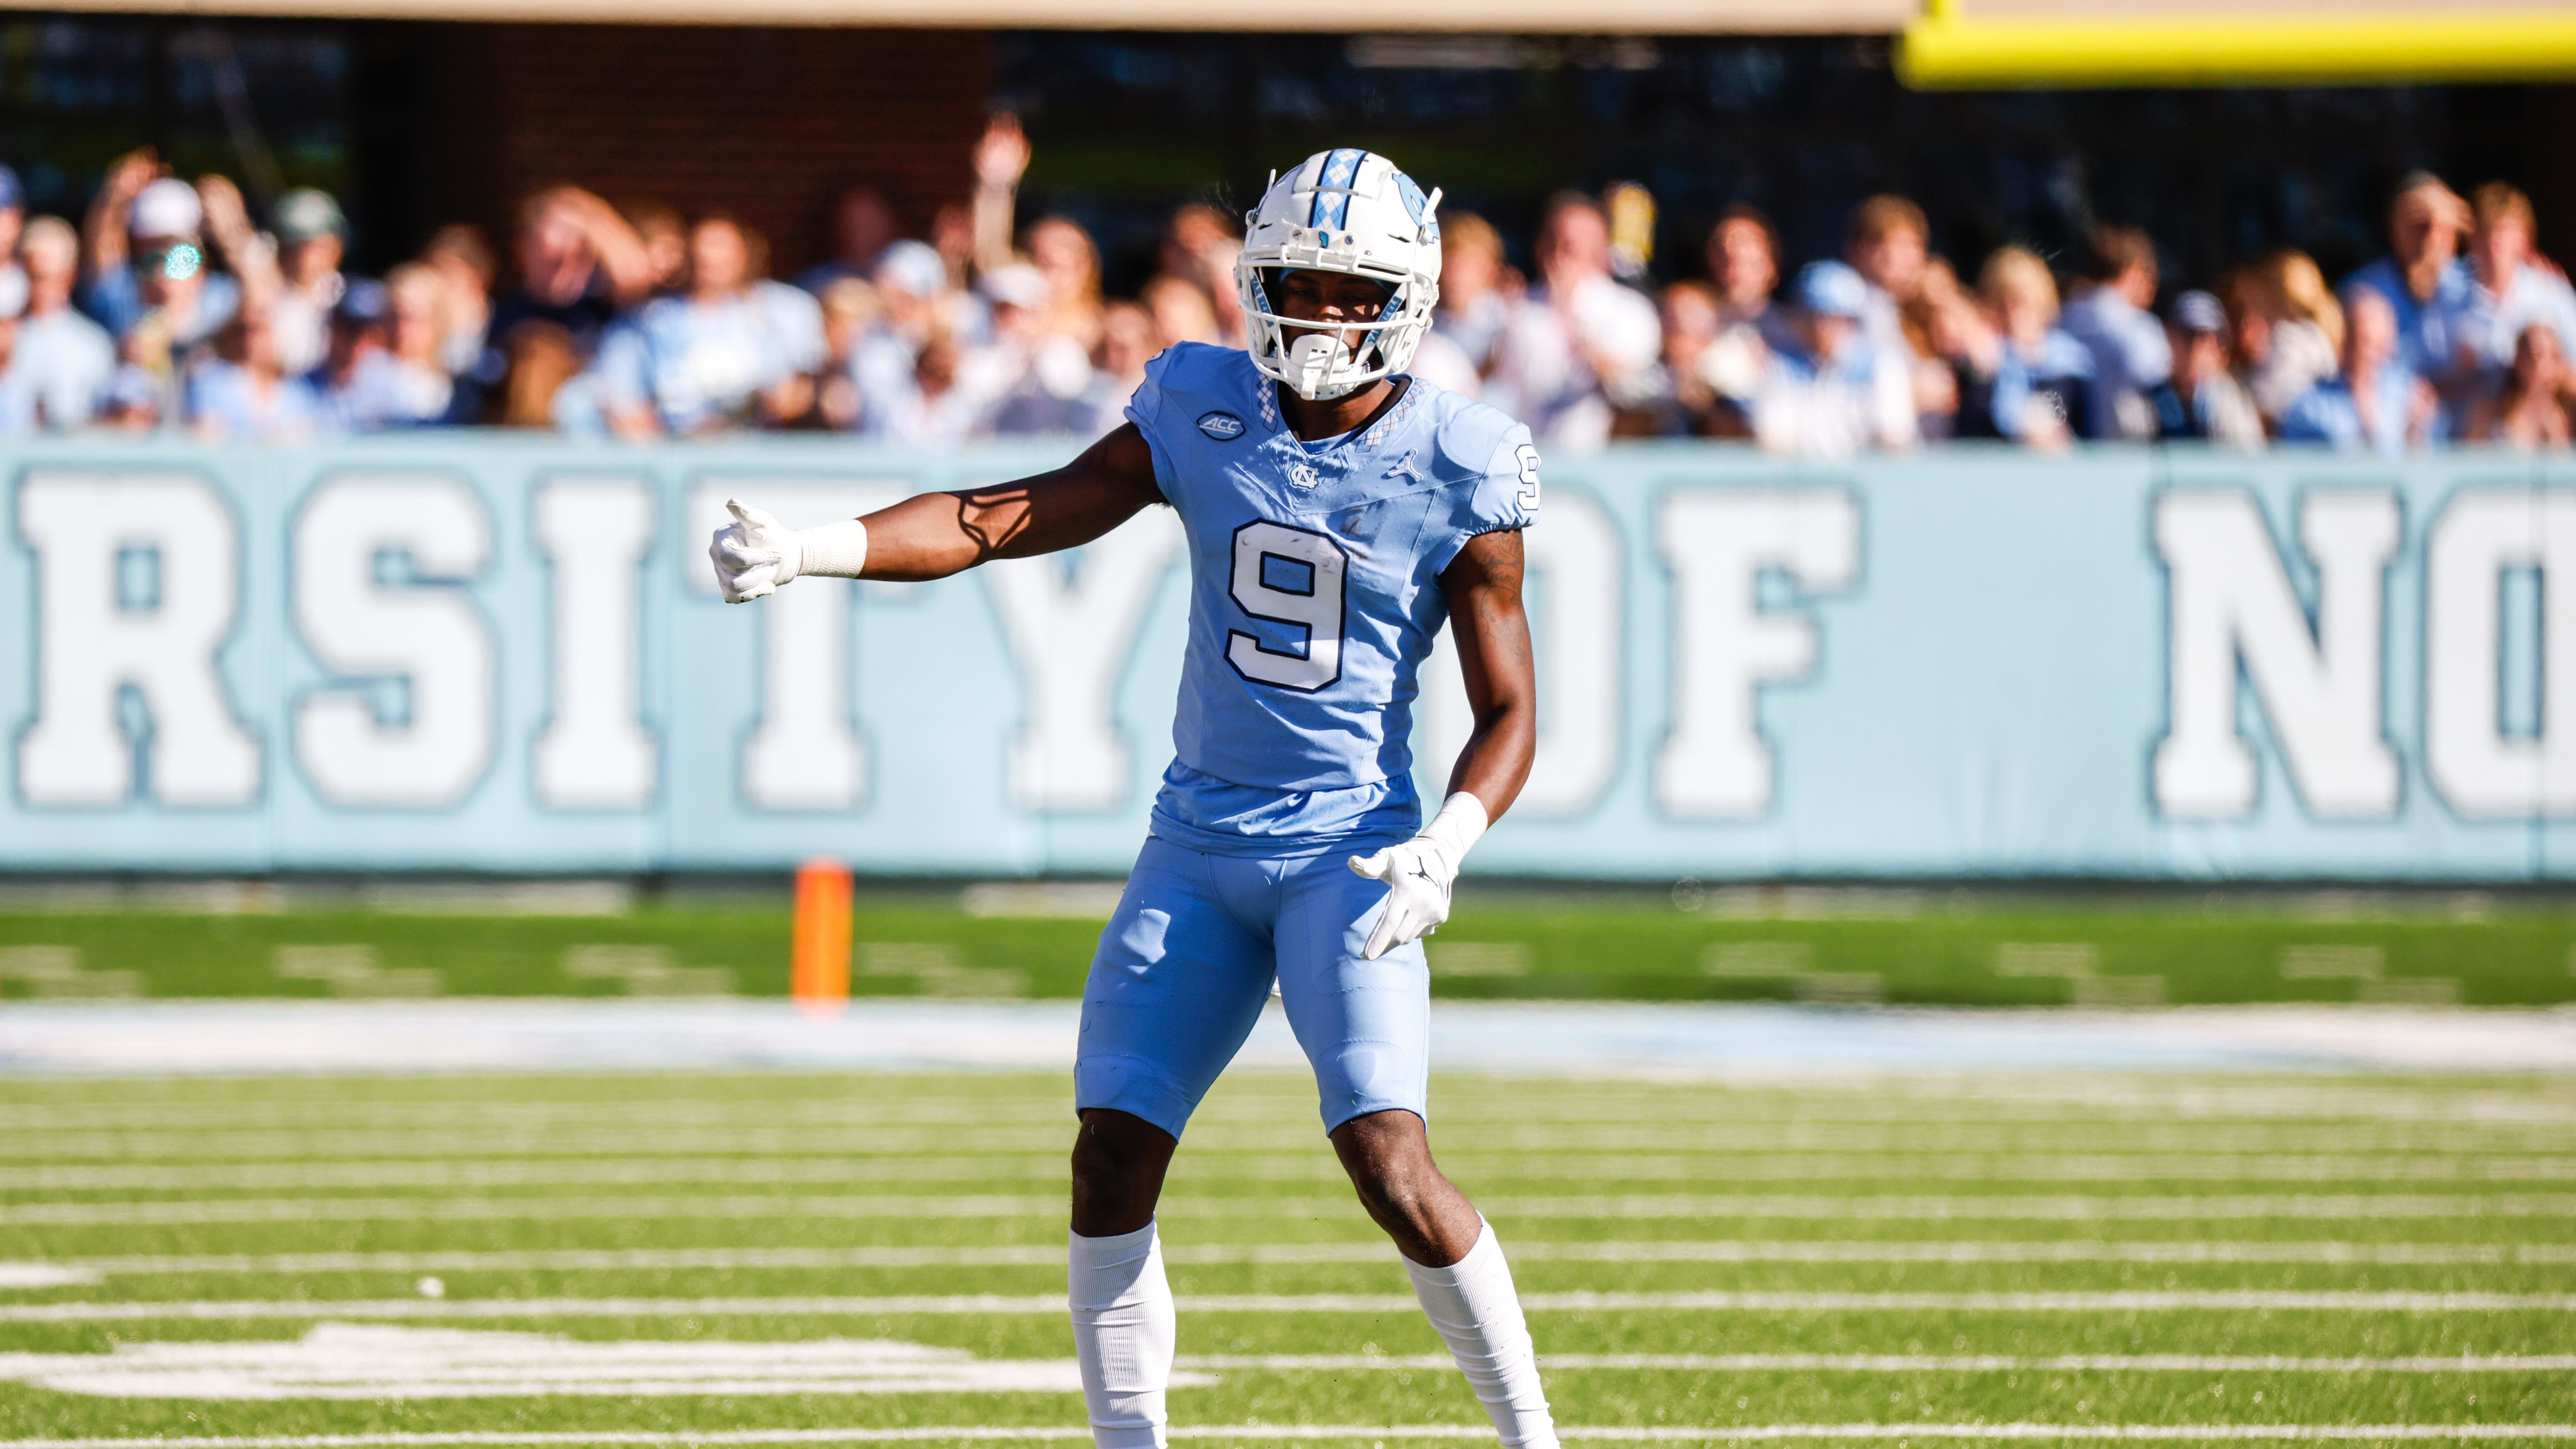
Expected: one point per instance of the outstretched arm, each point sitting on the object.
(1483, 585)
(933, 535)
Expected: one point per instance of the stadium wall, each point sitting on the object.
(491, 654)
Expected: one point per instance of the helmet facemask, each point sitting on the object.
(1352, 213)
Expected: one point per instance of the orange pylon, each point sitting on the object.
(818, 976)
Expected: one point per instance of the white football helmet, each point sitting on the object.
(1341, 211)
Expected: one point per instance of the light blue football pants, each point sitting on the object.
(1185, 966)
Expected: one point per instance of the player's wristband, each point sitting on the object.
(833, 550)
(1455, 830)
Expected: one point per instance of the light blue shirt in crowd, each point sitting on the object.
(222, 403)
(2427, 331)
(63, 361)
(696, 362)
(2021, 375)
(2131, 355)
(115, 298)
(383, 392)
(2327, 414)
(2489, 325)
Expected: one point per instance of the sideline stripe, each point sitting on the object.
(1658, 1434)
(1907, 1363)
(2035, 1208)
(844, 1167)
(1229, 1254)
(1044, 1303)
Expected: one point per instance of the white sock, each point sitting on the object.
(1123, 1328)
(1473, 1305)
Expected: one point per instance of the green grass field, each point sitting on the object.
(829, 1259)
(1907, 950)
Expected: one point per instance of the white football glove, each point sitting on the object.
(755, 553)
(1419, 874)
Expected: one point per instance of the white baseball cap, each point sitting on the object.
(167, 207)
(1016, 285)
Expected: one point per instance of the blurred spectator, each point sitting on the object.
(1744, 261)
(862, 227)
(1828, 391)
(143, 251)
(717, 355)
(243, 394)
(1199, 247)
(535, 361)
(1477, 287)
(463, 261)
(18, 408)
(1064, 255)
(911, 284)
(2113, 316)
(666, 243)
(952, 236)
(2422, 278)
(2302, 332)
(1580, 344)
(929, 408)
(2373, 403)
(390, 375)
(13, 216)
(1180, 311)
(2201, 400)
(2530, 409)
(62, 360)
(1127, 343)
(143, 392)
(849, 309)
(1952, 342)
(312, 238)
(1890, 245)
(2040, 393)
(579, 262)
(1001, 158)
(1036, 378)
(2509, 292)
(358, 324)
(1683, 400)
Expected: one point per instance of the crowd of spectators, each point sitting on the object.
(169, 308)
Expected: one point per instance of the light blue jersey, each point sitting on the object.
(1315, 596)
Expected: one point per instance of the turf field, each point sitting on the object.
(853, 1259)
(1917, 948)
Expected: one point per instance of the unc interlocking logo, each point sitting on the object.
(1302, 475)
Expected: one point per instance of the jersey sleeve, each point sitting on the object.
(1496, 488)
(1145, 410)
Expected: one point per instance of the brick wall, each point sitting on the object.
(769, 124)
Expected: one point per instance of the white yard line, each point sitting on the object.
(1902, 1363)
(224, 1140)
(1258, 1433)
(70, 1270)
(1652, 1206)
(1312, 1166)
(2231, 1300)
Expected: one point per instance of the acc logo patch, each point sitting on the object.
(1224, 427)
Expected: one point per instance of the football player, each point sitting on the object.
(1338, 512)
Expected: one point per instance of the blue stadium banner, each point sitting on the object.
(488, 653)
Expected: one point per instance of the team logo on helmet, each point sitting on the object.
(1222, 426)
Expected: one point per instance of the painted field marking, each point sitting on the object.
(885, 1305)
(826, 1168)
(1271, 1433)
(1904, 1363)
(2051, 1208)
(217, 1148)
(66, 1272)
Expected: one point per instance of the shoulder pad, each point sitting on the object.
(1469, 437)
